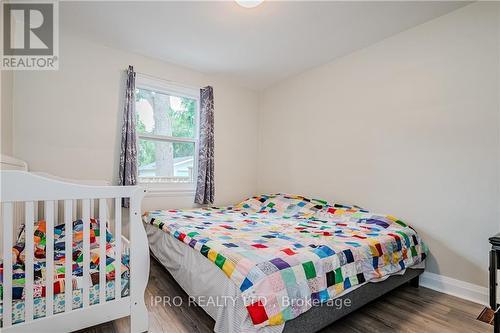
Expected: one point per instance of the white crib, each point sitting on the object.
(24, 189)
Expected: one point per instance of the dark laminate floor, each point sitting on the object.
(405, 309)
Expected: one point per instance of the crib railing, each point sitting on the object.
(23, 188)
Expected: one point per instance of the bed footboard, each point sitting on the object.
(31, 194)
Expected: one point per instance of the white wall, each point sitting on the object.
(68, 122)
(408, 126)
(6, 83)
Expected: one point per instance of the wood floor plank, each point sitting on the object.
(404, 310)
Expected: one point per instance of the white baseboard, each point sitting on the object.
(458, 288)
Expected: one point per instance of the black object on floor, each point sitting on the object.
(486, 316)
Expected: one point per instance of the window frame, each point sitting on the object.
(164, 188)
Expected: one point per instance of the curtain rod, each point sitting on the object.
(166, 80)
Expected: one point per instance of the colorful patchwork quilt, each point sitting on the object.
(287, 253)
(18, 253)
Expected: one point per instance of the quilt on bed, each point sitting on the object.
(287, 252)
(18, 272)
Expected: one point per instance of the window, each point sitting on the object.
(167, 130)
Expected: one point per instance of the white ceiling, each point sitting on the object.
(254, 47)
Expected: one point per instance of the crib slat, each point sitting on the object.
(102, 251)
(86, 251)
(7, 264)
(56, 211)
(118, 248)
(92, 208)
(68, 252)
(29, 221)
(49, 257)
(75, 210)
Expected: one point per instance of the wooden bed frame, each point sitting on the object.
(28, 190)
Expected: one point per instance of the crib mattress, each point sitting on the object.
(77, 278)
(18, 307)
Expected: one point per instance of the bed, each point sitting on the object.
(278, 262)
(38, 294)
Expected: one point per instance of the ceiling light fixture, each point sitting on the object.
(249, 3)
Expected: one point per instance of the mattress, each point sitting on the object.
(39, 298)
(278, 247)
(18, 307)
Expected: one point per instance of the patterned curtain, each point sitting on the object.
(128, 152)
(205, 185)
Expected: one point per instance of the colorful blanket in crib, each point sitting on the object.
(287, 253)
(18, 252)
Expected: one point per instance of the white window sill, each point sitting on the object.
(168, 189)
